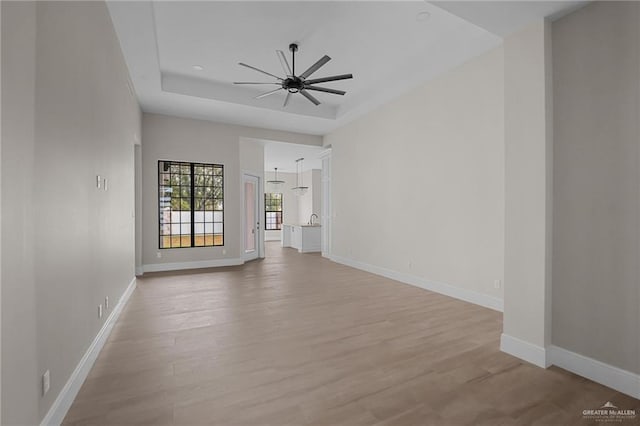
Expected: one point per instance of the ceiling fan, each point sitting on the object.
(293, 83)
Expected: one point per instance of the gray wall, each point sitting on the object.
(311, 201)
(183, 139)
(528, 147)
(425, 174)
(19, 357)
(0, 212)
(66, 120)
(597, 183)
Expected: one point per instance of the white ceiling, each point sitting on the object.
(284, 155)
(383, 44)
(505, 17)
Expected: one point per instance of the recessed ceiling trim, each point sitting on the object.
(162, 40)
(210, 89)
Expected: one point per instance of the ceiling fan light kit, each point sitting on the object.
(293, 83)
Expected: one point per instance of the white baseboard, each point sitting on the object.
(621, 380)
(61, 405)
(605, 374)
(176, 266)
(529, 352)
(311, 249)
(139, 270)
(438, 287)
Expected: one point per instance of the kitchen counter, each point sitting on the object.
(305, 238)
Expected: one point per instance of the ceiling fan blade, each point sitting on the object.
(283, 61)
(271, 92)
(311, 98)
(252, 82)
(332, 78)
(259, 70)
(286, 99)
(324, 89)
(313, 68)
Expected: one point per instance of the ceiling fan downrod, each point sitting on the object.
(293, 48)
(293, 84)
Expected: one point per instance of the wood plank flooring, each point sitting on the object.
(295, 339)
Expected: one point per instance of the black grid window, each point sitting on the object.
(273, 211)
(191, 204)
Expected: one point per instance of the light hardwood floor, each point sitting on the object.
(295, 339)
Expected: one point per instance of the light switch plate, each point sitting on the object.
(46, 382)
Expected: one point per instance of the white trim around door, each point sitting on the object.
(251, 192)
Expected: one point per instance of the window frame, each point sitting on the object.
(266, 211)
(192, 211)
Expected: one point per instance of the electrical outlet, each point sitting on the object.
(99, 311)
(106, 302)
(98, 181)
(224, 251)
(46, 382)
(497, 284)
(105, 184)
(159, 255)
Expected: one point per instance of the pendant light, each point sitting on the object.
(275, 182)
(299, 189)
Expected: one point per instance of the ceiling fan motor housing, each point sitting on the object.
(293, 84)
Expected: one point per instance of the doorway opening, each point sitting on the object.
(287, 210)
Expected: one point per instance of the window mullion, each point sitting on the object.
(193, 211)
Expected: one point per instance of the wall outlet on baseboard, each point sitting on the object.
(497, 284)
(106, 302)
(46, 382)
(100, 311)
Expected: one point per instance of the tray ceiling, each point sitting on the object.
(387, 46)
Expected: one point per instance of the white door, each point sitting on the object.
(251, 217)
